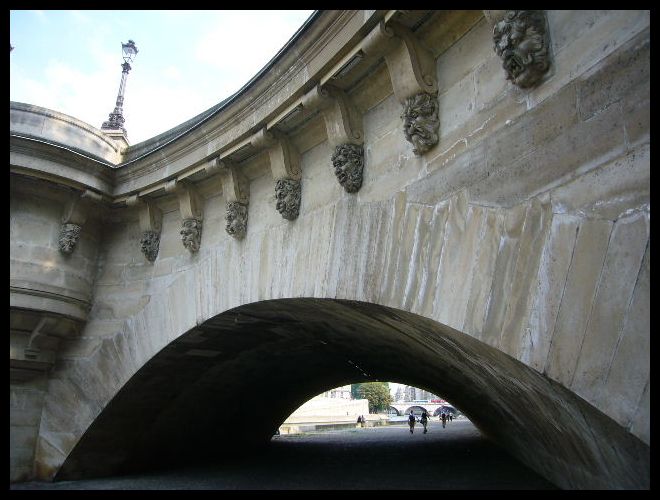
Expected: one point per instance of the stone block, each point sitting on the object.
(490, 86)
(630, 370)
(553, 272)
(25, 407)
(637, 115)
(578, 295)
(596, 35)
(615, 288)
(462, 58)
(614, 77)
(503, 274)
(456, 105)
(321, 185)
(607, 192)
(579, 148)
(515, 338)
(480, 290)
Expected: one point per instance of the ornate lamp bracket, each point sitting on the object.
(151, 219)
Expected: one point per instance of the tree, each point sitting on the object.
(377, 393)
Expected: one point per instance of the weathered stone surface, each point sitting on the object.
(577, 299)
(503, 230)
(630, 370)
(617, 280)
(553, 273)
(477, 305)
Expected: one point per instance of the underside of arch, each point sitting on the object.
(185, 404)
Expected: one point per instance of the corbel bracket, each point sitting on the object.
(284, 157)
(342, 121)
(189, 201)
(235, 185)
(151, 217)
(410, 64)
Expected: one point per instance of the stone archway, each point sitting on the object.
(177, 406)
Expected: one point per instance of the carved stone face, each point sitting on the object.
(191, 234)
(521, 43)
(69, 234)
(420, 122)
(287, 193)
(348, 160)
(149, 244)
(236, 217)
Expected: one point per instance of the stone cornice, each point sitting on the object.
(326, 47)
(266, 101)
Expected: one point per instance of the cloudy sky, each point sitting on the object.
(70, 61)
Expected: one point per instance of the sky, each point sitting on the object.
(188, 61)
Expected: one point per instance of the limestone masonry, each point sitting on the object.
(454, 200)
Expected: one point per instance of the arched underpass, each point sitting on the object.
(181, 406)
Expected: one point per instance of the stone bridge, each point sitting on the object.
(431, 408)
(388, 199)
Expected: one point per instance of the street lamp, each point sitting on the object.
(116, 119)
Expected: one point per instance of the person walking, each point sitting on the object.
(444, 420)
(424, 420)
(411, 421)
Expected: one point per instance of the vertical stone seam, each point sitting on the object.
(514, 272)
(622, 329)
(563, 290)
(630, 424)
(591, 309)
(475, 259)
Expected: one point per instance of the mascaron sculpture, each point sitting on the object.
(236, 218)
(287, 193)
(421, 122)
(149, 244)
(191, 234)
(69, 234)
(348, 160)
(520, 40)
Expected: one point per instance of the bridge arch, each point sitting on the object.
(505, 231)
(172, 408)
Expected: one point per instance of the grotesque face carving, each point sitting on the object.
(236, 218)
(69, 234)
(149, 244)
(191, 234)
(348, 161)
(420, 122)
(521, 43)
(287, 193)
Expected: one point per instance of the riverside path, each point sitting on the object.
(389, 457)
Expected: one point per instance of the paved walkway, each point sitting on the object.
(456, 457)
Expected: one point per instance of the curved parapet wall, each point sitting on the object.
(518, 216)
(27, 120)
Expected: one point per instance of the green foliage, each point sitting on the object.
(378, 394)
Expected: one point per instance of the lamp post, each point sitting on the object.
(116, 119)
